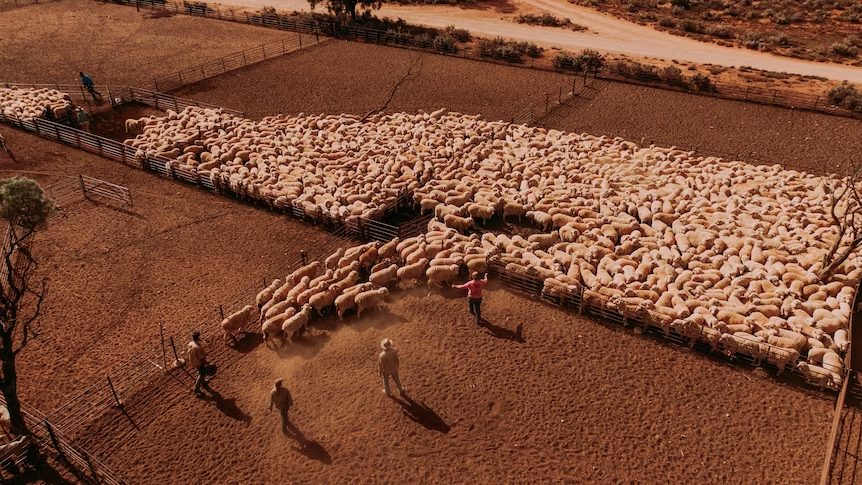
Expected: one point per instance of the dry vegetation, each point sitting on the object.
(810, 29)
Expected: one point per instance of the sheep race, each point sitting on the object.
(331, 288)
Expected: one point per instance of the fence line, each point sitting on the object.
(234, 61)
(329, 28)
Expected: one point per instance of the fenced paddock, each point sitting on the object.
(775, 97)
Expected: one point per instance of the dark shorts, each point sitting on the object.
(474, 304)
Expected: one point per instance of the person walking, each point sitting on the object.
(198, 361)
(83, 119)
(282, 400)
(87, 81)
(387, 363)
(474, 294)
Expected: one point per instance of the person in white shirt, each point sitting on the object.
(388, 366)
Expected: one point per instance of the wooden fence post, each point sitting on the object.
(300, 41)
(164, 352)
(99, 144)
(81, 185)
(54, 440)
(114, 392)
(263, 48)
(221, 311)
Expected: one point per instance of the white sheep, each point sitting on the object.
(368, 299)
(234, 322)
(347, 300)
(294, 324)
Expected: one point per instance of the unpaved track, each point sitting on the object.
(606, 34)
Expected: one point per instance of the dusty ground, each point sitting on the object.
(115, 44)
(535, 393)
(350, 77)
(368, 74)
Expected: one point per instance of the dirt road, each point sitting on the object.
(605, 34)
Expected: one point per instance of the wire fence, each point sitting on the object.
(234, 61)
(10, 4)
(793, 99)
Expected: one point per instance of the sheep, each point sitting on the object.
(331, 262)
(781, 357)
(734, 344)
(815, 374)
(457, 222)
(272, 326)
(323, 299)
(384, 276)
(368, 299)
(266, 294)
(441, 275)
(294, 324)
(413, 271)
(347, 300)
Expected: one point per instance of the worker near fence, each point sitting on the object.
(387, 365)
(198, 361)
(474, 294)
(282, 400)
(82, 119)
(87, 81)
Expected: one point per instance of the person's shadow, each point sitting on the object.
(308, 447)
(420, 413)
(516, 335)
(227, 407)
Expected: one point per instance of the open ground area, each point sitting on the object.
(533, 393)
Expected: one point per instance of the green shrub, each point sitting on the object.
(693, 27)
(461, 35)
(702, 83)
(445, 43)
(673, 76)
(564, 61)
(721, 31)
(844, 50)
(545, 19)
(500, 48)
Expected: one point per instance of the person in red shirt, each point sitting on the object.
(474, 294)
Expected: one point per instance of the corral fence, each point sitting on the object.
(593, 303)
(10, 4)
(45, 436)
(72, 187)
(117, 95)
(234, 61)
(329, 28)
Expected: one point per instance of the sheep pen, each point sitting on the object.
(694, 240)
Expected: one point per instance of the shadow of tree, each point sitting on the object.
(420, 413)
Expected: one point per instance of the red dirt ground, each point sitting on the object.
(113, 43)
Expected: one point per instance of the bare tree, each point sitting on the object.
(24, 209)
(342, 8)
(846, 211)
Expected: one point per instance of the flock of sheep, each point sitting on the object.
(26, 104)
(719, 251)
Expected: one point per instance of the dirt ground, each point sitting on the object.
(533, 394)
(113, 43)
(350, 77)
(342, 77)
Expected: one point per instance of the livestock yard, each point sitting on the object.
(661, 319)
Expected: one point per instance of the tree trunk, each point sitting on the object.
(9, 388)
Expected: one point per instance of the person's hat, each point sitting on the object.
(386, 344)
(196, 335)
(278, 382)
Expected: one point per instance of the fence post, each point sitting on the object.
(203, 74)
(176, 105)
(747, 89)
(774, 93)
(244, 61)
(164, 353)
(560, 99)
(221, 311)
(156, 82)
(300, 41)
(81, 185)
(223, 68)
(815, 102)
(54, 440)
(99, 144)
(57, 131)
(263, 48)
(114, 392)
(108, 90)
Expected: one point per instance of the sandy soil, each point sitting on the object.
(351, 77)
(536, 394)
(113, 43)
(368, 73)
